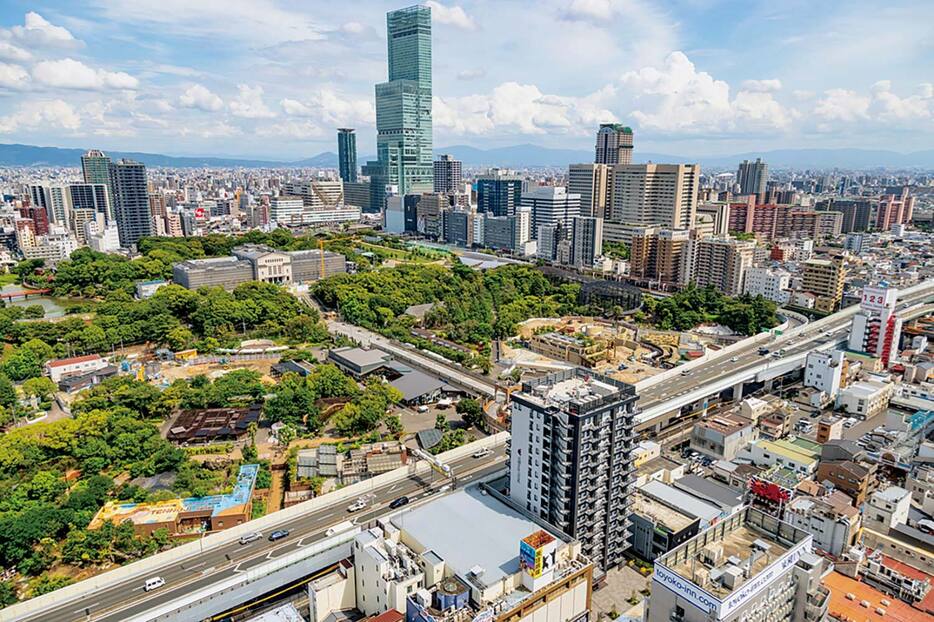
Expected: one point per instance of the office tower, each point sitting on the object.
(719, 261)
(570, 460)
(655, 194)
(551, 206)
(95, 166)
(447, 173)
(592, 183)
(498, 193)
(751, 177)
(824, 279)
(876, 328)
(54, 199)
(403, 108)
(347, 154)
(614, 144)
(357, 194)
(749, 566)
(130, 201)
(550, 238)
(586, 240)
(458, 226)
(286, 209)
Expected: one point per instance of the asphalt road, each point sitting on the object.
(749, 358)
(126, 599)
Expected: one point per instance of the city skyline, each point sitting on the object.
(208, 82)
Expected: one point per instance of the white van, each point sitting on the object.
(153, 583)
(339, 527)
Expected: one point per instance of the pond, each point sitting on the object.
(54, 307)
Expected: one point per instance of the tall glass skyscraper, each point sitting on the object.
(347, 154)
(403, 107)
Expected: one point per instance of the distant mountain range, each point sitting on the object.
(516, 156)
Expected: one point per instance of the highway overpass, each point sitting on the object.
(219, 565)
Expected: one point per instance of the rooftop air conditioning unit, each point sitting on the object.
(712, 554)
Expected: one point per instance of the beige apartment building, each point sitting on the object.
(654, 194)
(719, 261)
(824, 279)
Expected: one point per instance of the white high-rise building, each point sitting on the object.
(824, 371)
(593, 183)
(551, 206)
(876, 328)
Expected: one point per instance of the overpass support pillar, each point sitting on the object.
(738, 392)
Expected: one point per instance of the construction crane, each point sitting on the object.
(322, 242)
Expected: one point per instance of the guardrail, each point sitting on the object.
(172, 609)
(146, 566)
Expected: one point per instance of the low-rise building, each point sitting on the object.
(722, 437)
(657, 528)
(208, 425)
(59, 369)
(145, 289)
(832, 520)
(226, 272)
(192, 515)
(799, 455)
(865, 399)
(577, 350)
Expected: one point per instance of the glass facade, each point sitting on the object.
(403, 105)
(347, 154)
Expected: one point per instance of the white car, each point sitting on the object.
(356, 506)
(734, 359)
(482, 453)
(153, 583)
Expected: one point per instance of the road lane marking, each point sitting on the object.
(82, 610)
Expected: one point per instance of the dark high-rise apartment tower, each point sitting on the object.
(347, 154)
(403, 108)
(448, 177)
(570, 459)
(614, 144)
(752, 177)
(131, 201)
(96, 167)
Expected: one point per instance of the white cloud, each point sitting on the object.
(36, 31)
(591, 10)
(294, 130)
(886, 105)
(249, 103)
(13, 77)
(68, 73)
(470, 74)
(8, 51)
(842, 105)
(678, 98)
(213, 18)
(55, 114)
(331, 108)
(522, 109)
(762, 86)
(197, 96)
(451, 15)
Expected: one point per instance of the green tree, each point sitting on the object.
(286, 435)
(41, 387)
(394, 425)
(7, 392)
(441, 422)
(7, 593)
(48, 583)
(471, 412)
(23, 364)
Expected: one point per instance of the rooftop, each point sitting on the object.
(842, 607)
(87, 358)
(574, 390)
(659, 513)
(684, 502)
(725, 424)
(723, 558)
(469, 530)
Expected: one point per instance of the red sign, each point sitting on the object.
(768, 490)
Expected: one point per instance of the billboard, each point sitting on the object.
(537, 553)
(878, 298)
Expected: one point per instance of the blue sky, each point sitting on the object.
(270, 78)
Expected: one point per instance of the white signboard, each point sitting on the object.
(707, 602)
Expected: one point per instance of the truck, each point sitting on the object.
(339, 528)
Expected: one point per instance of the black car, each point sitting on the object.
(398, 503)
(278, 534)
